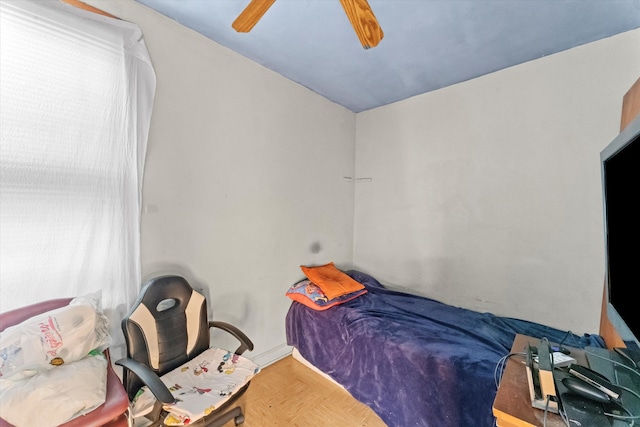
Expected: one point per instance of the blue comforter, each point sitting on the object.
(413, 360)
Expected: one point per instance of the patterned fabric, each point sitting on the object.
(307, 293)
(200, 386)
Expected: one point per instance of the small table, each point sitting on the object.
(512, 405)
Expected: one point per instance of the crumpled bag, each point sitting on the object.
(56, 337)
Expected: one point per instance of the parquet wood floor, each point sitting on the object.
(288, 393)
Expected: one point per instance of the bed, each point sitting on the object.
(413, 360)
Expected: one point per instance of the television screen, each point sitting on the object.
(621, 188)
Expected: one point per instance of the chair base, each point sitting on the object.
(236, 414)
(219, 418)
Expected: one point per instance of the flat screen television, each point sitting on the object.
(620, 164)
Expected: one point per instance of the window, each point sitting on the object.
(76, 92)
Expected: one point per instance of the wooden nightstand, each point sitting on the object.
(512, 406)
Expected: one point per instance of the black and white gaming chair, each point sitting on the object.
(166, 327)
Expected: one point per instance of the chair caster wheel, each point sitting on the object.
(239, 419)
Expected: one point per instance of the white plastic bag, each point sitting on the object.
(53, 338)
(54, 396)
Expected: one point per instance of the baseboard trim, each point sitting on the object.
(271, 356)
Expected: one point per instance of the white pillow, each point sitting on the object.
(54, 396)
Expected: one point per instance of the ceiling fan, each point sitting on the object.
(359, 13)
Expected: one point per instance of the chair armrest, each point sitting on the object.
(149, 378)
(245, 342)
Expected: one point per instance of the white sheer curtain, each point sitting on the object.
(76, 93)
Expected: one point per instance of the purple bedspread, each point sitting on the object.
(413, 360)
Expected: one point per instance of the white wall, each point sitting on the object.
(484, 195)
(487, 194)
(243, 180)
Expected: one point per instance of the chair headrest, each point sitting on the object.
(162, 293)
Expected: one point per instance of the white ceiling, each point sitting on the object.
(427, 44)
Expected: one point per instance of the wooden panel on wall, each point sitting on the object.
(84, 6)
(630, 105)
(630, 109)
(607, 330)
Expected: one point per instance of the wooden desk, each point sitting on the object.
(512, 406)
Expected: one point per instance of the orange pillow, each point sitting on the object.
(333, 282)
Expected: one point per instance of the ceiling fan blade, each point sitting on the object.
(363, 21)
(251, 15)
